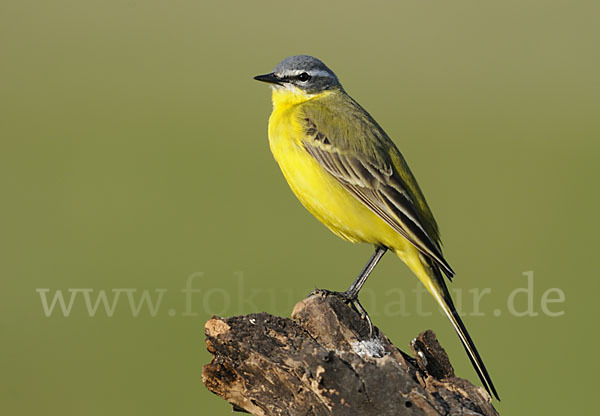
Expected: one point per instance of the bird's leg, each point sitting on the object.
(350, 296)
(352, 292)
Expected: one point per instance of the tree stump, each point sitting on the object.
(323, 362)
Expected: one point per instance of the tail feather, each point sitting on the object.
(439, 290)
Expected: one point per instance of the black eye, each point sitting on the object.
(304, 77)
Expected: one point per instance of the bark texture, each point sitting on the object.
(323, 362)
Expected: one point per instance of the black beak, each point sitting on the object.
(270, 78)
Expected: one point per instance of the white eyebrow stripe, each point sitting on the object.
(311, 72)
(319, 73)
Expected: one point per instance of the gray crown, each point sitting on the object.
(321, 77)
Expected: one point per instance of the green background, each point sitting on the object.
(133, 154)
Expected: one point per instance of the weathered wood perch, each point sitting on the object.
(323, 362)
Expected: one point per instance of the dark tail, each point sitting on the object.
(442, 296)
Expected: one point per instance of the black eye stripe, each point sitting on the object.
(303, 77)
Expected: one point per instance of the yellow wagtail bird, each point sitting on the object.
(349, 174)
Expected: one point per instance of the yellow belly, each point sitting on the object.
(325, 198)
(320, 192)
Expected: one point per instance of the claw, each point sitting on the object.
(363, 313)
(350, 300)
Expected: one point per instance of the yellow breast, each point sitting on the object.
(319, 191)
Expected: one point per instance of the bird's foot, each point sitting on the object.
(350, 299)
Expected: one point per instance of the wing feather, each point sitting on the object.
(374, 180)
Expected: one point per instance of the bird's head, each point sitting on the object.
(300, 77)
